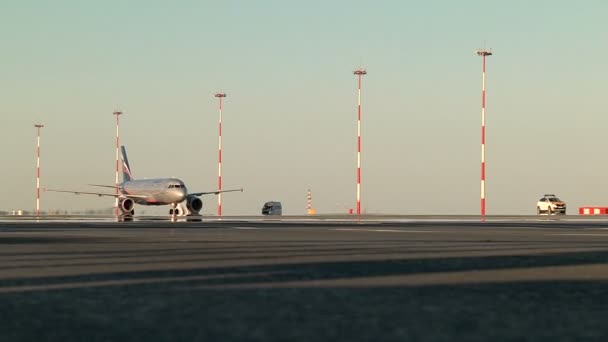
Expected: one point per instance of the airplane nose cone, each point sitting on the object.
(183, 193)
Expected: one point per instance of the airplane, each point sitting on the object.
(159, 191)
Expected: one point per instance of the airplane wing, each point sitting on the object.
(213, 192)
(100, 194)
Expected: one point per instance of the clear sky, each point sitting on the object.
(290, 116)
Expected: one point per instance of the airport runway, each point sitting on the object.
(379, 279)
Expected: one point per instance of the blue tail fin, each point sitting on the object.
(126, 169)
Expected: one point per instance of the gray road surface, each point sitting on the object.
(294, 280)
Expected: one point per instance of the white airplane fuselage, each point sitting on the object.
(162, 191)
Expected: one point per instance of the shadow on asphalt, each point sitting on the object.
(201, 309)
(314, 271)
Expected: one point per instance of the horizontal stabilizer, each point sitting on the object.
(104, 186)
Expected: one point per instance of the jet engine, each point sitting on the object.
(191, 206)
(126, 205)
(194, 205)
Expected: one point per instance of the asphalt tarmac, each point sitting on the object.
(378, 279)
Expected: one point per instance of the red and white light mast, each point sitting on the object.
(483, 53)
(38, 127)
(220, 96)
(359, 72)
(117, 114)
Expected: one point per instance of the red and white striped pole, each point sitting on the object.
(117, 113)
(38, 127)
(359, 72)
(483, 53)
(220, 96)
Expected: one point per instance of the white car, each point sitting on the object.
(549, 204)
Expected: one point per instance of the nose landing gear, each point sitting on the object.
(173, 212)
